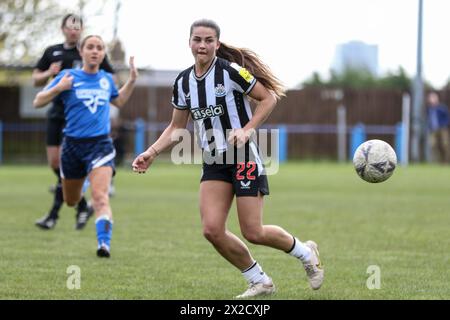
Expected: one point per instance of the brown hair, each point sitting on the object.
(245, 58)
(83, 42)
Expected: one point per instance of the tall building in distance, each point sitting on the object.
(356, 55)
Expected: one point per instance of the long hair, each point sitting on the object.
(245, 58)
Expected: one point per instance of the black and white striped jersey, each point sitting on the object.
(217, 101)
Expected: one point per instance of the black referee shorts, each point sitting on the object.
(244, 176)
(54, 132)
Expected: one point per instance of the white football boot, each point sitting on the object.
(258, 289)
(313, 267)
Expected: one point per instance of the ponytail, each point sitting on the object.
(251, 61)
(245, 58)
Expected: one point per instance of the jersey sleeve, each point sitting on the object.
(241, 79)
(44, 62)
(59, 98)
(56, 80)
(178, 96)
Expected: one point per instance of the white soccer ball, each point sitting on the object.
(375, 161)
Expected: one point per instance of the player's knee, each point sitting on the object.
(54, 163)
(71, 198)
(213, 233)
(100, 198)
(71, 202)
(255, 236)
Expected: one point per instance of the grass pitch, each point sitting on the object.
(401, 226)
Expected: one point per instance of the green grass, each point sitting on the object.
(158, 251)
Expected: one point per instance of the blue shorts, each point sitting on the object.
(80, 156)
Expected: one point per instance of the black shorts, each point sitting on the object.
(244, 176)
(54, 133)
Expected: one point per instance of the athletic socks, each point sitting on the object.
(255, 274)
(82, 205)
(104, 225)
(86, 185)
(57, 174)
(58, 200)
(300, 251)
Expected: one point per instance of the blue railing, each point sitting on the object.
(357, 134)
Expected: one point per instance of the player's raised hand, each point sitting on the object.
(55, 68)
(142, 162)
(66, 82)
(133, 71)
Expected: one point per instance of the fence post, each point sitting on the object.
(406, 111)
(342, 133)
(139, 137)
(1, 142)
(399, 142)
(283, 144)
(358, 136)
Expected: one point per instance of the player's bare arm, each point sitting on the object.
(40, 77)
(46, 96)
(127, 89)
(266, 104)
(145, 159)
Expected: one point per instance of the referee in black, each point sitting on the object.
(56, 58)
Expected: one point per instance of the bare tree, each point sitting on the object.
(28, 26)
(25, 25)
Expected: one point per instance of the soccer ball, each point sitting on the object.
(374, 161)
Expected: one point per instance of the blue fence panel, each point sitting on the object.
(399, 142)
(283, 144)
(139, 138)
(358, 136)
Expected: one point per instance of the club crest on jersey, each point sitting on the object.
(209, 112)
(104, 84)
(220, 90)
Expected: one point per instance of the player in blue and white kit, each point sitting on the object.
(87, 149)
(56, 58)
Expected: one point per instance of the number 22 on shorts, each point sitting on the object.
(241, 167)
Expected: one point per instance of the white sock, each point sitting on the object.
(103, 217)
(255, 274)
(300, 251)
